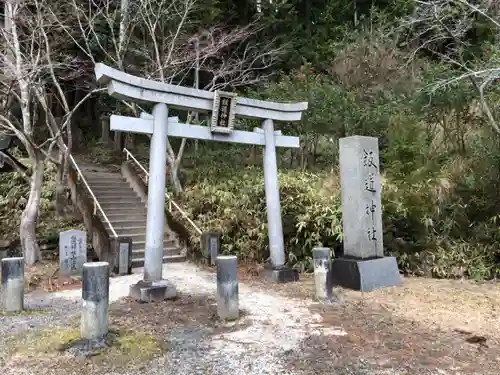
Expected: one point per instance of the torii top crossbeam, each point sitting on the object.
(126, 86)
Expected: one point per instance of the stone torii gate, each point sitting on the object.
(224, 107)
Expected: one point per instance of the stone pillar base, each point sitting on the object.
(153, 291)
(365, 275)
(281, 274)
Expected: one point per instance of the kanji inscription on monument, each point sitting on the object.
(72, 252)
(361, 197)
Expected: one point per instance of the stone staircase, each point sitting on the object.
(126, 212)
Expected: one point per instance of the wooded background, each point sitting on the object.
(419, 75)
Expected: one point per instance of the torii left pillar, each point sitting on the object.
(153, 287)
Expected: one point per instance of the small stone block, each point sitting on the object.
(227, 287)
(12, 292)
(366, 275)
(322, 273)
(95, 298)
(124, 254)
(153, 291)
(210, 247)
(280, 275)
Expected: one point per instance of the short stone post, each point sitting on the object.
(210, 247)
(123, 249)
(322, 273)
(95, 295)
(227, 287)
(13, 284)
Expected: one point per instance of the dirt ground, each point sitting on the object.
(141, 331)
(425, 326)
(417, 328)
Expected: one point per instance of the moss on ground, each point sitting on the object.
(25, 312)
(122, 347)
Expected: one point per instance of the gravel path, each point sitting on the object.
(278, 326)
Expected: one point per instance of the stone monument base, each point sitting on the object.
(281, 274)
(365, 275)
(152, 291)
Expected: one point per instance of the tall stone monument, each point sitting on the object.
(363, 265)
(224, 107)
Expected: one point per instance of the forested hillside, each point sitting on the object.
(420, 76)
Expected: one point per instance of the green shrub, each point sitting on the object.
(426, 226)
(14, 192)
(233, 202)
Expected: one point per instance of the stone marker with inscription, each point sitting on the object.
(72, 252)
(363, 265)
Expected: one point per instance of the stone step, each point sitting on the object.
(121, 216)
(102, 174)
(115, 186)
(120, 200)
(166, 251)
(127, 213)
(127, 210)
(115, 214)
(168, 242)
(116, 201)
(128, 223)
(139, 239)
(128, 230)
(104, 185)
(98, 182)
(111, 192)
(125, 216)
(124, 210)
(139, 262)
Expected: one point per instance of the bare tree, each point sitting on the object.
(442, 27)
(33, 70)
(156, 41)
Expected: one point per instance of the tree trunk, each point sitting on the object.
(29, 217)
(253, 154)
(174, 178)
(60, 198)
(105, 130)
(118, 141)
(302, 157)
(130, 141)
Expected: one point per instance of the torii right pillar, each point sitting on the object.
(276, 271)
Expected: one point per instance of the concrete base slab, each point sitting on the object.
(280, 275)
(366, 275)
(153, 291)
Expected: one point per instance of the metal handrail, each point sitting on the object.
(97, 206)
(170, 201)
